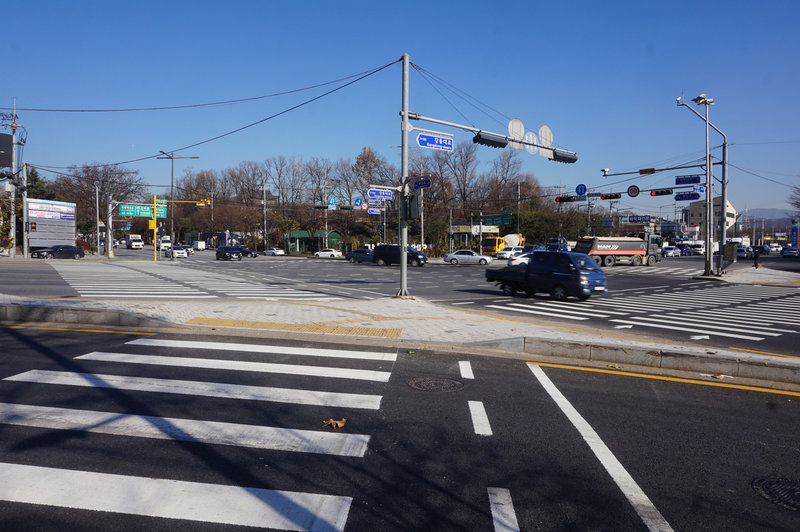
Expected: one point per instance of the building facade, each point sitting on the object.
(696, 216)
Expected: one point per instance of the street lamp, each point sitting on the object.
(704, 100)
(171, 156)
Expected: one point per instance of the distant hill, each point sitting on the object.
(769, 214)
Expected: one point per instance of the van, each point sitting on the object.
(387, 254)
(563, 274)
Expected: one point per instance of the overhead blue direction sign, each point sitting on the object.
(687, 179)
(422, 183)
(686, 196)
(374, 211)
(377, 193)
(435, 142)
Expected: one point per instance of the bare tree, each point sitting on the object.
(462, 164)
(84, 184)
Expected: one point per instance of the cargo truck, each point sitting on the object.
(608, 250)
(492, 244)
(134, 241)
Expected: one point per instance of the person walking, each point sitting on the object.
(756, 254)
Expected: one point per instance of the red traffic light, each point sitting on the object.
(615, 195)
(563, 199)
(664, 192)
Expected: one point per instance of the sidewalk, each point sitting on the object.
(417, 323)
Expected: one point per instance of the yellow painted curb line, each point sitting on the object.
(299, 327)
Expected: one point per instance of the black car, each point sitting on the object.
(246, 251)
(58, 252)
(359, 255)
(229, 253)
(387, 254)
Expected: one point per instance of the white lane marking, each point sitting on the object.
(688, 329)
(257, 348)
(535, 312)
(208, 389)
(241, 365)
(641, 503)
(480, 421)
(568, 308)
(466, 369)
(503, 515)
(678, 320)
(211, 432)
(173, 499)
(160, 295)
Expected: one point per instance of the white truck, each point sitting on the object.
(134, 241)
(165, 243)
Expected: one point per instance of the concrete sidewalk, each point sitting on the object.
(415, 322)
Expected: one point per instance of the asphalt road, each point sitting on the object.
(205, 437)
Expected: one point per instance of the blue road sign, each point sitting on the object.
(580, 190)
(377, 193)
(357, 202)
(375, 202)
(435, 142)
(331, 201)
(374, 211)
(422, 183)
(686, 196)
(699, 188)
(687, 179)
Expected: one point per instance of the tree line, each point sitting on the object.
(295, 190)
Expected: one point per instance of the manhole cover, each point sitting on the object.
(435, 384)
(780, 491)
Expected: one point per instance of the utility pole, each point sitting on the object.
(405, 127)
(171, 156)
(13, 251)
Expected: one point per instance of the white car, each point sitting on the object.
(329, 253)
(466, 256)
(508, 252)
(670, 251)
(178, 252)
(520, 259)
(273, 252)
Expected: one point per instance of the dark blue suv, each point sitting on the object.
(563, 274)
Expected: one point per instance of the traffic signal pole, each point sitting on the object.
(403, 292)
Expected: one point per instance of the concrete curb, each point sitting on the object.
(16, 312)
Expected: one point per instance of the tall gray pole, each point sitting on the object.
(707, 270)
(25, 210)
(97, 214)
(723, 237)
(13, 251)
(403, 292)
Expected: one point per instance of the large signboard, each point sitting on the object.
(142, 210)
(50, 223)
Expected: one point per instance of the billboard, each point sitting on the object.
(50, 223)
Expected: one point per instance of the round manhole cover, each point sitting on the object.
(780, 491)
(435, 384)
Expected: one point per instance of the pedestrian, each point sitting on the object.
(756, 254)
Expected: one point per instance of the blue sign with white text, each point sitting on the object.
(378, 193)
(687, 196)
(435, 142)
(687, 179)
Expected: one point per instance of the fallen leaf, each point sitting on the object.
(334, 424)
(615, 366)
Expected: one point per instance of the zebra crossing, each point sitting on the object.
(743, 312)
(624, 269)
(163, 281)
(174, 498)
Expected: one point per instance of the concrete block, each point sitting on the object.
(626, 355)
(538, 346)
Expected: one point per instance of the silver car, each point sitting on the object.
(466, 256)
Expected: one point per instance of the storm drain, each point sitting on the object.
(780, 491)
(435, 384)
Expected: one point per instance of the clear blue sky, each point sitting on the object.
(603, 75)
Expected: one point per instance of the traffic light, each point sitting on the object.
(490, 140)
(564, 199)
(615, 195)
(564, 156)
(320, 206)
(33, 227)
(664, 192)
(345, 208)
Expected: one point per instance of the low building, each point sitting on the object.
(697, 215)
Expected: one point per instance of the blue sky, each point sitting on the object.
(602, 75)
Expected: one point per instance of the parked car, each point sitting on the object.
(696, 249)
(789, 251)
(508, 252)
(359, 255)
(387, 254)
(273, 252)
(246, 251)
(178, 252)
(765, 249)
(466, 256)
(744, 252)
(670, 251)
(561, 274)
(328, 253)
(58, 252)
(520, 259)
(777, 248)
(228, 253)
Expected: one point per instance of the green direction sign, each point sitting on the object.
(497, 220)
(145, 211)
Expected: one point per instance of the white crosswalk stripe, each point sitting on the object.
(165, 281)
(744, 312)
(197, 501)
